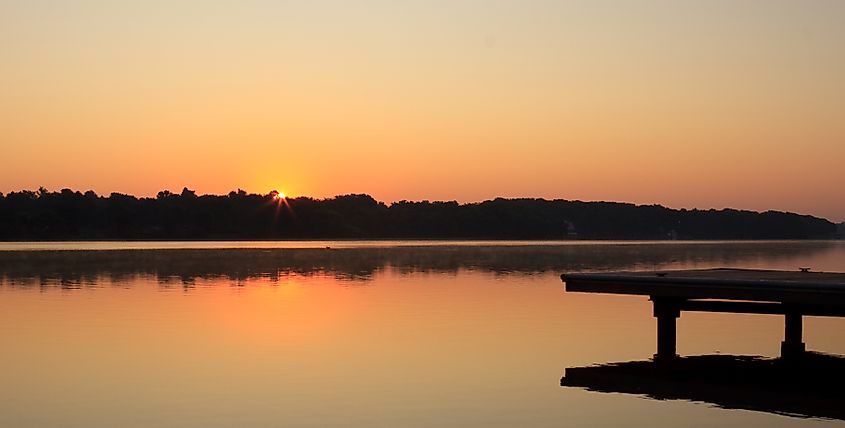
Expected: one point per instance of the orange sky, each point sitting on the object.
(686, 104)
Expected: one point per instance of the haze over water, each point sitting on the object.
(376, 334)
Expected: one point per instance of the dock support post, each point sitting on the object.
(792, 345)
(667, 311)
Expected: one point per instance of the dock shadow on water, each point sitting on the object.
(811, 387)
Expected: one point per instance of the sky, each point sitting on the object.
(706, 104)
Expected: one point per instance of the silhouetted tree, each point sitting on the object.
(187, 193)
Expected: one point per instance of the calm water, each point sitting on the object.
(393, 334)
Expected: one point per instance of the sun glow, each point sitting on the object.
(278, 195)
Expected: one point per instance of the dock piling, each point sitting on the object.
(667, 311)
(792, 345)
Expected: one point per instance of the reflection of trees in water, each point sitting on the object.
(76, 269)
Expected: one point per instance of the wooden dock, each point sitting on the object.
(793, 294)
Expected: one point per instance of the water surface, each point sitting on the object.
(358, 334)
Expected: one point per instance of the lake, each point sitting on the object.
(361, 334)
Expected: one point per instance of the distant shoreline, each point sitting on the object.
(69, 216)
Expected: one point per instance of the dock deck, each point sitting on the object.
(793, 294)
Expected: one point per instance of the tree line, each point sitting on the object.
(72, 215)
